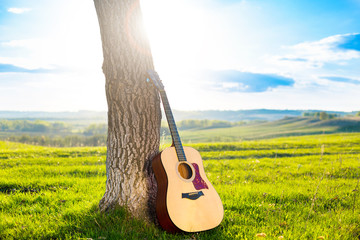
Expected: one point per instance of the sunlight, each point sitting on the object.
(59, 41)
(182, 42)
(177, 31)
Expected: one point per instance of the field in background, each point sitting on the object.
(296, 187)
(64, 134)
(291, 126)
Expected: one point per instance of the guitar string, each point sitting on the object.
(172, 126)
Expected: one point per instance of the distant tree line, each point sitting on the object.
(59, 141)
(206, 124)
(61, 134)
(321, 115)
(36, 126)
(57, 134)
(193, 124)
(95, 129)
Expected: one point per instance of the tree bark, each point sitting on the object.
(133, 109)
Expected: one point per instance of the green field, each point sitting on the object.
(290, 126)
(302, 187)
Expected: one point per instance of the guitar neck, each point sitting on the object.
(172, 126)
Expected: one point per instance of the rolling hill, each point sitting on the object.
(228, 115)
(289, 126)
(78, 125)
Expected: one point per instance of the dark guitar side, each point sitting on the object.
(161, 208)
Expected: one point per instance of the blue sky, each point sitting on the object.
(211, 54)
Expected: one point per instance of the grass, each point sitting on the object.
(296, 187)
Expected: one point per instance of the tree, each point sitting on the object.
(134, 115)
(323, 116)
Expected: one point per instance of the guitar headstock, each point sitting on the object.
(155, 79)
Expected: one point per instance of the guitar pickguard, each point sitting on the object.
(198, 182)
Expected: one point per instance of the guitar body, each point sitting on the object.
(186, 200)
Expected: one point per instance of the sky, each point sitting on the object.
(210, 54)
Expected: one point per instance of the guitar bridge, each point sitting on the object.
(192, 195)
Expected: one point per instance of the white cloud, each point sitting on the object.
(18, 10)
(26, 63)
(315, 54)
(69, 42)
(45, 92)
(325, 50)
(35, 53)
(27, 43)
(70, 50)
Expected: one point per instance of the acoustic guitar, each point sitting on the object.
(186, 200)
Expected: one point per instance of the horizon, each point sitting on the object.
(226, 55)
(177, 110)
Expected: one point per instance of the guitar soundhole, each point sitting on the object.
(185, 170)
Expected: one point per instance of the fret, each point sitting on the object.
(169, 116)
(172, 126)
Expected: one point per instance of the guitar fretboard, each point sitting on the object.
(172, 126)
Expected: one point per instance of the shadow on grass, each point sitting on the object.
(117, 224)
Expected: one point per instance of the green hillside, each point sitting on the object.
(82, 117)
(303, 187)
(61, 134)
(294, 126)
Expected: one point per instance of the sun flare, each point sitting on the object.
(176, 30)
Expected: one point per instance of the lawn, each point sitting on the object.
(297, 187)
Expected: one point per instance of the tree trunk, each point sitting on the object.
(133, 109)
